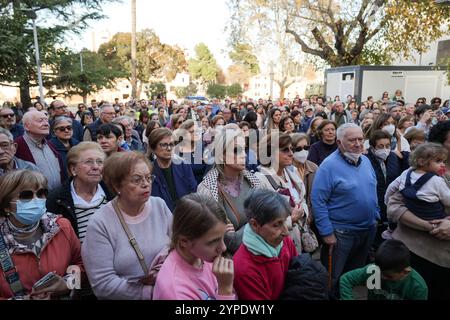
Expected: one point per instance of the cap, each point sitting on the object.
(446, 110)
(309, 108)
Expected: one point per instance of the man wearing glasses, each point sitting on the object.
(8, 161)
(58, 109)
(33, 147)
(8, 122)
(107, 114)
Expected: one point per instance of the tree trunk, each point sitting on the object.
(282, 91)
(25, 97)
(133, 50)
(139, 89)
(85, 99)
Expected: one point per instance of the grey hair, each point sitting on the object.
(299, 136)
(121, 118)
(60, 119)
(7, 133)
(105, 106)
(265, 205)
(343, 129)
(28, 115)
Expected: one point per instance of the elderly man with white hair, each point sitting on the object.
(345, 205)
(33, 147)
(8, 161)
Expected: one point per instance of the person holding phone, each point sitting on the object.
(36, 241)
(195, 268)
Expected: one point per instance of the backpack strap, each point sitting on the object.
(9, 269)
(272, 181)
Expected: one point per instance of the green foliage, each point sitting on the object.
(204, 67)
(242, 54)
(234, 90)
(154, 58)
(190, 90)
(156, 90)
(216, 91)
(17, 53)
(96, 74)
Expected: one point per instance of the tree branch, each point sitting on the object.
(304, 46)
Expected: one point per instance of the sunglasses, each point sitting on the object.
(287, 150)
(28, 195)
(298, 149)
(9, 115)
(67, 128)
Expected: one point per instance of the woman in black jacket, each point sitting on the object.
(84, 193)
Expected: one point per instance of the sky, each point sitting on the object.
(177, 22)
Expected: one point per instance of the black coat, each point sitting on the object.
(60, 201)
(307, 279)
(394, 168)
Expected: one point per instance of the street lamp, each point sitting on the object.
(30, 13)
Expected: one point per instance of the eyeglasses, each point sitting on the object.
(67, 128)
(138, 180)
(8, 115)
(28, 195)
(5, 145)
(167, 145)
(298, 149)
(92, 162)
(60, 107)
(287, 150)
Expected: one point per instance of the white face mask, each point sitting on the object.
(382, 154)
(301, 156)
(389, 129)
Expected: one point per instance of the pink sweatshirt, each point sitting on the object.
(178, 280)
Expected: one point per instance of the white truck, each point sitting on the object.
(364, 81)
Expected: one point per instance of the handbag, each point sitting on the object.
(308, 238)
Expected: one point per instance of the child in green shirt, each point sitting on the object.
(390, 278)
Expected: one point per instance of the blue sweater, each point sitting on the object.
(344, 196)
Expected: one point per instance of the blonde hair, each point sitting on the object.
(73, 156)
(225, 139)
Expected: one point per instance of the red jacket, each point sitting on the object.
(60, 252)
(259, 277)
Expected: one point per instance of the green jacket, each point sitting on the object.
(412, 287)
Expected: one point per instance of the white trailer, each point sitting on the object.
(364, 81)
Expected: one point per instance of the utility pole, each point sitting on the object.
(133, 50)
(81, 62)
(30, 13)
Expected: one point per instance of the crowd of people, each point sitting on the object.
(165, 200)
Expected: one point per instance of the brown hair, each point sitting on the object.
(215, 119)
(323, 125)
(119, 165)
(414, 134)
(267, 144)
(403, 120)
(425, 153)
(16, 181)
(156, 136)
(73, 156)
(187, 124)
(297, 137)
(194, 215)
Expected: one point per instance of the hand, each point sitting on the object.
(441, 229)
(443, 117)
(330, 241)
(297, 213)
(426, 116)
(230, 228)
(223, 269)
(57, 288)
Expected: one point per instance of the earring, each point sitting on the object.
(118, 193)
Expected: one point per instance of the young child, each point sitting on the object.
(424, 191)
(195, 268)
(397, 280)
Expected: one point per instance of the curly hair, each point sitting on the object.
(439, 132)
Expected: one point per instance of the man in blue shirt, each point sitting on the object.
(344, 200)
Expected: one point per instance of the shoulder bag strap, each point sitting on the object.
(272, 181)
(9, 269)
(230, 204)
(130, 236)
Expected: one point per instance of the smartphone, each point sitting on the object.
(46, 281)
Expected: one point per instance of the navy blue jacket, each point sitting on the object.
(17, 130)
(93, 129)
(184, 181)
(394, 168)
(62, 149)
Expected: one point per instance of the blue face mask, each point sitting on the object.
(30, 212)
